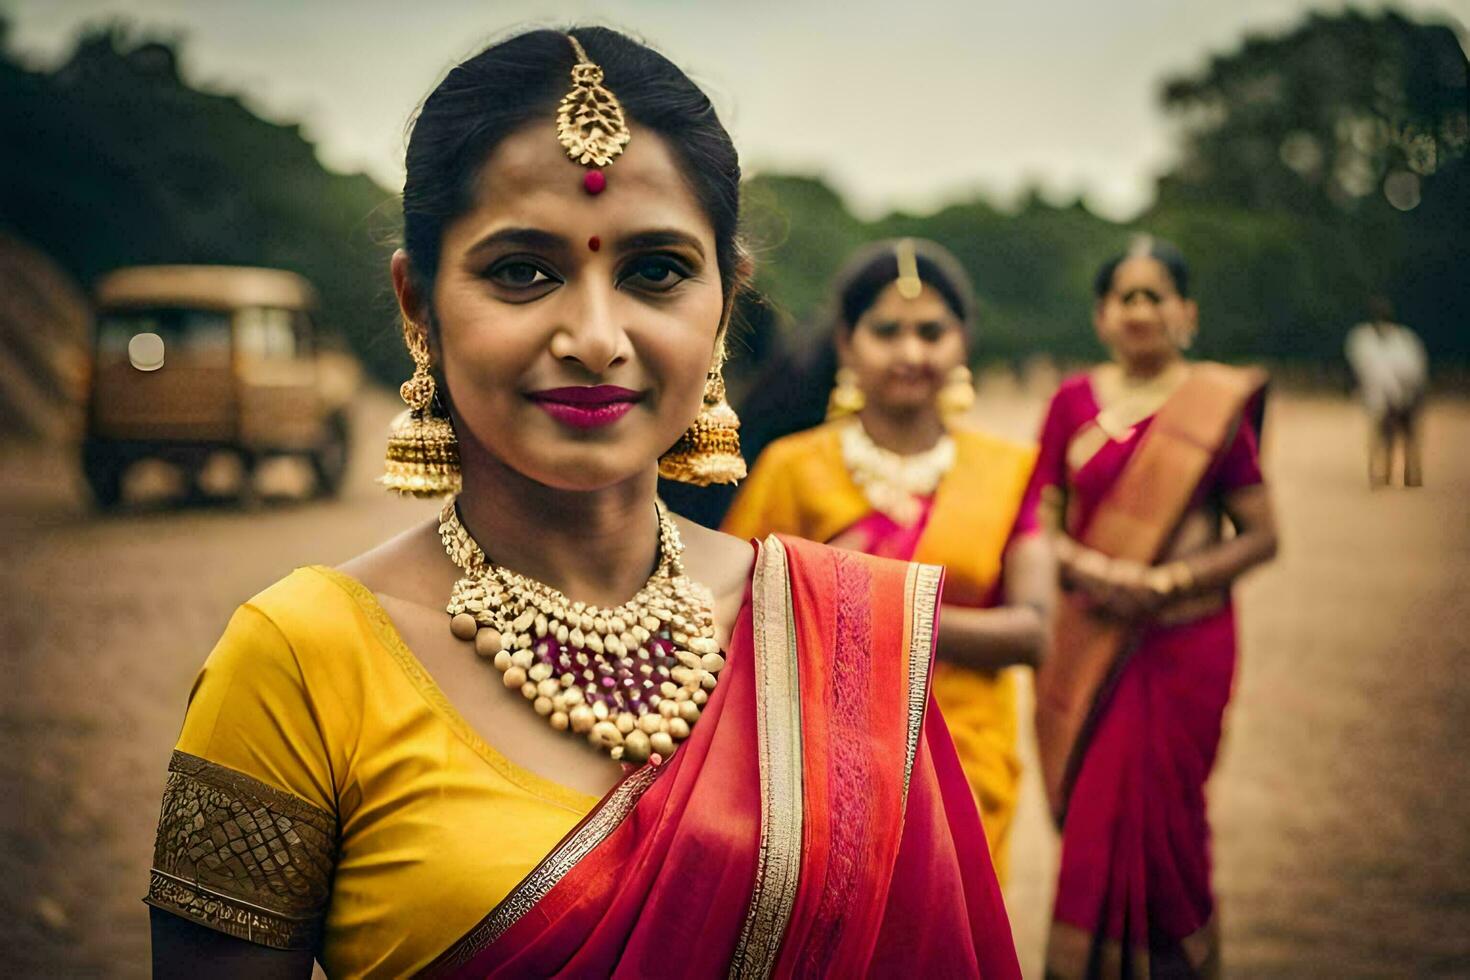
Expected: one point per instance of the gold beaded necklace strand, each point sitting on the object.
(632, 679)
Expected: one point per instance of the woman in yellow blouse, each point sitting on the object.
(897, 474)
(559, 779)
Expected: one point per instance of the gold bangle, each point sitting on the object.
(1160, 581)
(1181, 578)
(1094, 563)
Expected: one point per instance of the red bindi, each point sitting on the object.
(594, 182)
(594, 243)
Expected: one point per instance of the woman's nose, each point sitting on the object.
(592, 336)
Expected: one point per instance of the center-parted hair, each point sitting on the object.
(519, 82)
(1166, 253)
(874, 267)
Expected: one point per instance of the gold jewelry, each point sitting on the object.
(1171, 580)
(958, 394)
(1127, 401)
(632, 679)
(909, 283)
(1094, 563)
(589, 122)
(846, 398)
(709, 450)
(423, 454)
(893, 483)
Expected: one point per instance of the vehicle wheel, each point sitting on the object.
(103, 470)
(329, 461)
(246, 495)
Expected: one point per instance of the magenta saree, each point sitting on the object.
(816, 823)
(1133, 894)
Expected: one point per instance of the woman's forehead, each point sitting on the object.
(891, 305)
(1141, 271)
(529, 181)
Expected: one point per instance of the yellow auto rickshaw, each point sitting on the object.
(191, 361)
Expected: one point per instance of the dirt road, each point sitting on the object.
(1341, 804)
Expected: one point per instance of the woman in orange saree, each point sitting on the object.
(903, 476)
(716, 759)
(1141, 462)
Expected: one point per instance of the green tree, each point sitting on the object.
(1348, 135)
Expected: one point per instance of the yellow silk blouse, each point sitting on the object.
(324, 793)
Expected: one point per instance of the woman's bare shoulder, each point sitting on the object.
(721, 562)
(410, 565)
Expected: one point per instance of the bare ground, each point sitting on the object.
(1341, 804)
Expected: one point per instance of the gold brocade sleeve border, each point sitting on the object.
(921, 599)
(241, 857)
(778, 727)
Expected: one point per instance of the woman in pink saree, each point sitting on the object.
(558, 731)
(1141, 463)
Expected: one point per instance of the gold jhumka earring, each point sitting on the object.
(709, 450)
(846, 398)
(958, 394)
(423, 454)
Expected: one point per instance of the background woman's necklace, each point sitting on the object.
(894, 484)
(632, 679)
(1125, 401)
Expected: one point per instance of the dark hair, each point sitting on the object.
(874, 267)
(520, 81)
(1164, 252)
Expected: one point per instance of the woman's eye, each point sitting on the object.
(931, 331)
(518, 275)
(655, 273)
(885, 331)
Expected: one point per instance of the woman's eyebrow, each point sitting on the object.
(531, 238)
(660, 238)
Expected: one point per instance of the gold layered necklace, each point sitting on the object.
(631, 679)
(894, 484)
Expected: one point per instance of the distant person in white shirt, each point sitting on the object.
(1393, 373)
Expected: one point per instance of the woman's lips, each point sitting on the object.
(586, 407)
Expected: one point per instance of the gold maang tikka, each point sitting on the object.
(589, 122)
(592, 128)
(423, 454)
(908, 282)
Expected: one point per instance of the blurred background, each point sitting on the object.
(1307, 157)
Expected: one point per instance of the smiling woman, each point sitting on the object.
(701, 757)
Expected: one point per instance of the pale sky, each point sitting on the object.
(900, 103)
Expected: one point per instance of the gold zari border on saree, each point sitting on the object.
(921, 597)
(582, 841)
(778, 727)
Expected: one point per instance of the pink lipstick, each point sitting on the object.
(586, 407)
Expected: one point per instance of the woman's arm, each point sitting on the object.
(185, 949)
(1131, 590)
(1016, 633)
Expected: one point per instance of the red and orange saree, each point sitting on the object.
(816, 823)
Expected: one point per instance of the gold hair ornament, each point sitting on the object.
(909, 283)
(589, 122)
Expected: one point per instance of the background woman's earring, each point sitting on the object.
(958, 394)
(846, 398)
(709, 450)
(423, 454)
